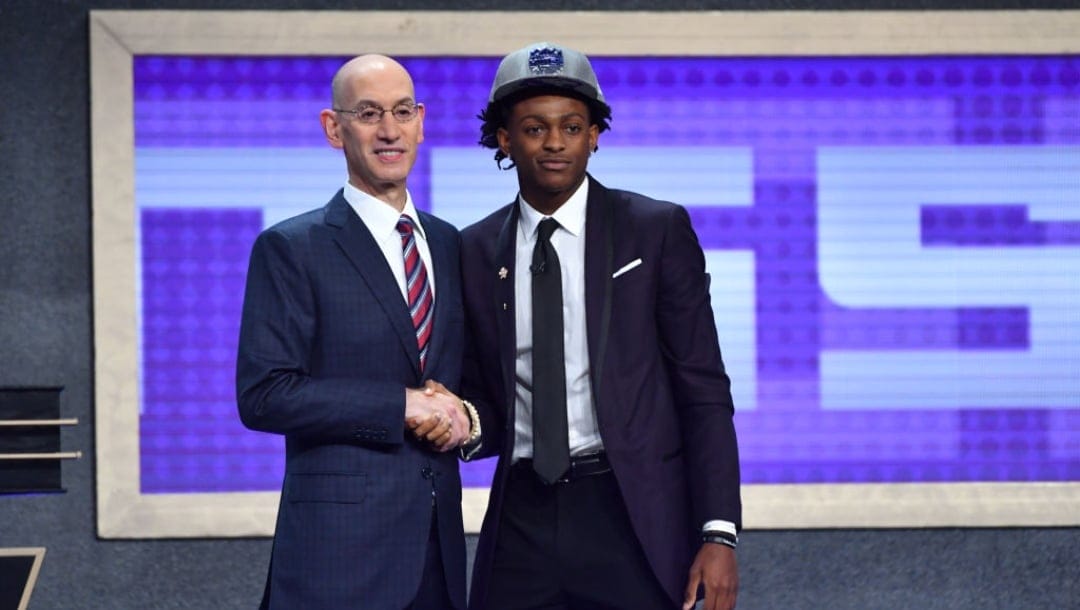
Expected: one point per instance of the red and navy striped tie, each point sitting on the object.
(417, 287)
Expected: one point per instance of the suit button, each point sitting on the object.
(426, 472)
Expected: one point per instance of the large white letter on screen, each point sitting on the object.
(872, 256)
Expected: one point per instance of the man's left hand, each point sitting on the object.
(714, 567)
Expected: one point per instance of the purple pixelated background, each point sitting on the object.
(193, 260)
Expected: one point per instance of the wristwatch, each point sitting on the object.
(719, 537)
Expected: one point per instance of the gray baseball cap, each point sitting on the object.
(543, 64)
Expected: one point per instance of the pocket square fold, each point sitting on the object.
(626, 267)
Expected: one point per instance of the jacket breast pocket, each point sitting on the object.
(336, 488)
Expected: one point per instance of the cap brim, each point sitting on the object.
(546, 82)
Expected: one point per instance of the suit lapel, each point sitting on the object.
(505, 249)
(599, 265)
(360, 248)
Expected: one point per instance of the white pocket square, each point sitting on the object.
(626, 267)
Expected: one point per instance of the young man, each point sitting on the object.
(349, 308)
(594, 361)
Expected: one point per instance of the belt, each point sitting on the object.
(581, 466)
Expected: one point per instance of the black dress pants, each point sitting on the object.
(569, 546)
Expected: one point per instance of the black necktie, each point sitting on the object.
(551, 453)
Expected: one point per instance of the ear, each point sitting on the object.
(331, 128)
(421, 109)
(504, 140)
(594, 137)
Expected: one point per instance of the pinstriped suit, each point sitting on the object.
(327, 349)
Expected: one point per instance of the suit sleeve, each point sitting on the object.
(275, 389)
(477, 375)
(481, 377)
(700, 386)
(492, 422)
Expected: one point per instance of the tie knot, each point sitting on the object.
(546, 228)
(405, 226)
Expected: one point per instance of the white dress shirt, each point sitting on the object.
(381, 220)
(569, 243)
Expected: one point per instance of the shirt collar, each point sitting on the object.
(380, 218)
(570, 215)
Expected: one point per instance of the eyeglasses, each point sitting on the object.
(370, 114)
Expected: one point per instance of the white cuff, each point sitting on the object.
(718, 525)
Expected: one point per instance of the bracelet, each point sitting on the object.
(474, 422)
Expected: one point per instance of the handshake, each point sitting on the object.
(438, 417)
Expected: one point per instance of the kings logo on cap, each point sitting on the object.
(545, 61)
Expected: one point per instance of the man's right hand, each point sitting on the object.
(435, 415)
(461, 418)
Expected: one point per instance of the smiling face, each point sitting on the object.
(549, 138)
(380, 155)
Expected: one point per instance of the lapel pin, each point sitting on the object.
(503, 273)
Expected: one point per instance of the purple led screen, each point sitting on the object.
(788, 112)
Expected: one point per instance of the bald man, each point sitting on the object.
(349, 309)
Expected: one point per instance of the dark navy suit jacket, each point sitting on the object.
(662, 398)
(326, 351)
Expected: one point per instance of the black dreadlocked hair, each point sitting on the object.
(496, 114)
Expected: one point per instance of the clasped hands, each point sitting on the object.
(436, 416)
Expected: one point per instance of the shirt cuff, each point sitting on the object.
(720, 532)
(718, 526)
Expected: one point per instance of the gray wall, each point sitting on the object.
(46, 340)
